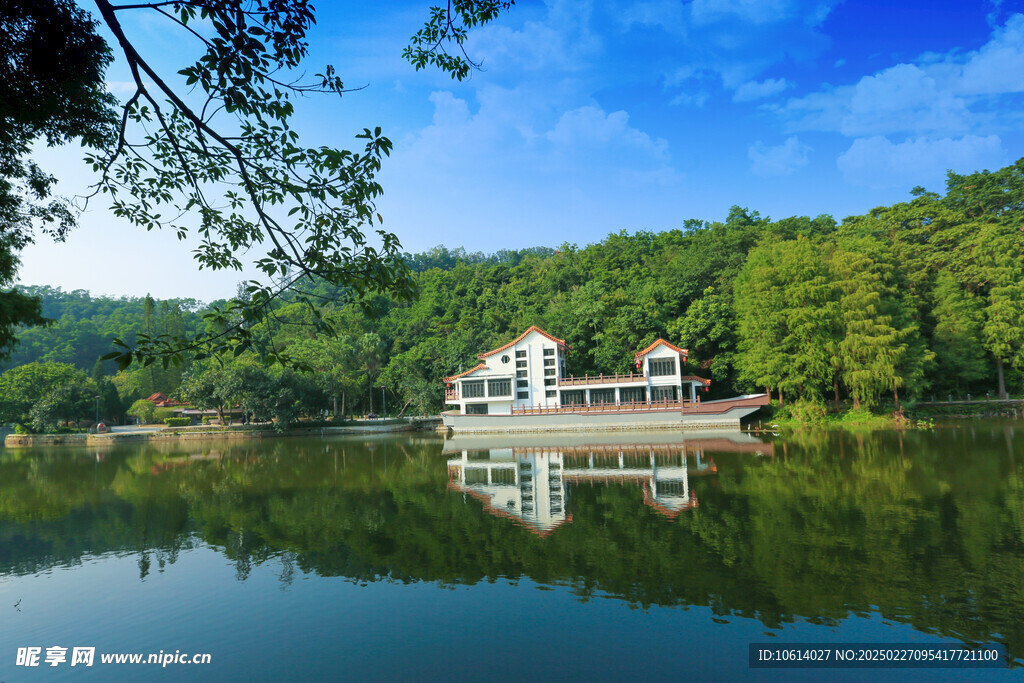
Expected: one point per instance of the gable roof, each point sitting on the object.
(660, 342)
(463, 374)
(532, 328)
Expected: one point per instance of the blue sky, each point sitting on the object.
(592, 117)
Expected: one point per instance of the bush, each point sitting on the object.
(207, 420)
(161, 414)
(177, 421)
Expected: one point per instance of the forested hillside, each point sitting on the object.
(919, 298)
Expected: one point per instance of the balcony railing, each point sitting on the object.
(451, 394)
(625, 407)
(601, 379)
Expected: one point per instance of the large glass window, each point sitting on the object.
(473, 389)
(549, 352)
(573, 398)
(549, 382)
(549, 372)
(520, 363)
(551, 393)
(602, 396)
(523, 395)
(549, 362)
(522, 384)
(520, 354)
(476, 409)
(633, 395)
(499, 387)
(659, 367)
(520, 373)
(663, 394)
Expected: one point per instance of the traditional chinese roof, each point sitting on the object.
(158, 396)
(695, 378)
(463, 374)
(532, 328)
(638, 356)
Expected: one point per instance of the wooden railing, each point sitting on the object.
(601, 379)
(451, 394)
(626, 407)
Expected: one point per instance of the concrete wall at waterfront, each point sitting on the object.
(573, 422)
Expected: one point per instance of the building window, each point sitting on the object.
(663, 394)
(633, 395)
(473, 389)
(505, 359)
(602, 396)
(549, 382)
(522, 384)
(520, 373)
(520, 363)
(549, 371)
(551, 393)
(573, 398)
(476, 409)
(549, 352)
(520, 354)
(549, 362)
(523, 395)
(659, 367)
(499, 387)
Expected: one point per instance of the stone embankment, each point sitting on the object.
(207, 433)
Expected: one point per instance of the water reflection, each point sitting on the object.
(924, 528)
(532, 484)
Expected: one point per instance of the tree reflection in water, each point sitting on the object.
(922, 527)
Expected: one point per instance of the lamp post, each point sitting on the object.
(97, 410)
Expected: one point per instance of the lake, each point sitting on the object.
(572, 558)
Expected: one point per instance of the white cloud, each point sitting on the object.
(998, 67)
(691, 99)
(939, 95)
(561, 41)
(752, 90)
(877, 163)
(778, 160)
(590, 126)
(760, 11)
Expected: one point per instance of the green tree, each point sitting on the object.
(143, 410)
(877, 350)
(51, 88)
(708, 330)
(957, 339)
(39, 395)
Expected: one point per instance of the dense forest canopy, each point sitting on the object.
(920, 298)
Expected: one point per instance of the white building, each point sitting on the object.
(527, 375)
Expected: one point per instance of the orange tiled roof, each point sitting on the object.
(641, 354)
(463, 374)
(532, 328)
(695, 378)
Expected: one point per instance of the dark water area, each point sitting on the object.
(583, 558)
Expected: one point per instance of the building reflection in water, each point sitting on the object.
(532, 483)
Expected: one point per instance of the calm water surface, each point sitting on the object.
(591, 558)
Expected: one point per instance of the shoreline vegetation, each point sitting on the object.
(909, 415)
(907, 302)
